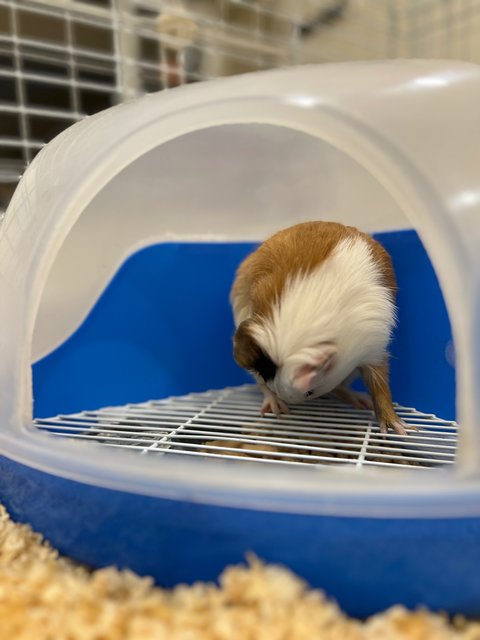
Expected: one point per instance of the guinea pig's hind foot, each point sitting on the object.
(273, 404)
(376, 381)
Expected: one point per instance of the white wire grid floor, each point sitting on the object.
(226, 424)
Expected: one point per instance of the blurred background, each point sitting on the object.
(61, 60)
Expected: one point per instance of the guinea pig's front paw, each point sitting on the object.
(397, 425)
(273, 404)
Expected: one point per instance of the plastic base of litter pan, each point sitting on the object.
(235, 160)
(365, 564)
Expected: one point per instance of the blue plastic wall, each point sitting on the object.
(164, 326)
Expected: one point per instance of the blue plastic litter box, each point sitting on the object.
(145, 447)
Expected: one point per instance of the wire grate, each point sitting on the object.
(226, 424)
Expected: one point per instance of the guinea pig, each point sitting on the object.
(314, 306)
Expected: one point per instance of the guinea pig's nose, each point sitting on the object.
(309, 393)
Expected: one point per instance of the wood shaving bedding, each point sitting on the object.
(46, 597)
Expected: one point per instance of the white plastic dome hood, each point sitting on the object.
(413, 125)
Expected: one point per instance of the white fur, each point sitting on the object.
(241, 309)
(342, 302)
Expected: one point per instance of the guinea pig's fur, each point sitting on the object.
(313, 304)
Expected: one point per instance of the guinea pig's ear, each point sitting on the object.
(322, 358)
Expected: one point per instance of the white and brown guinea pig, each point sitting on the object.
(314, 306)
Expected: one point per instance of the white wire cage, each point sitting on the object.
(61, 60)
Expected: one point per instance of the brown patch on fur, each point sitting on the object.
(245, 347)
(261, 277)
(299, 249)
(249, 355)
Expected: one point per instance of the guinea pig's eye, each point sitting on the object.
(309, 393)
